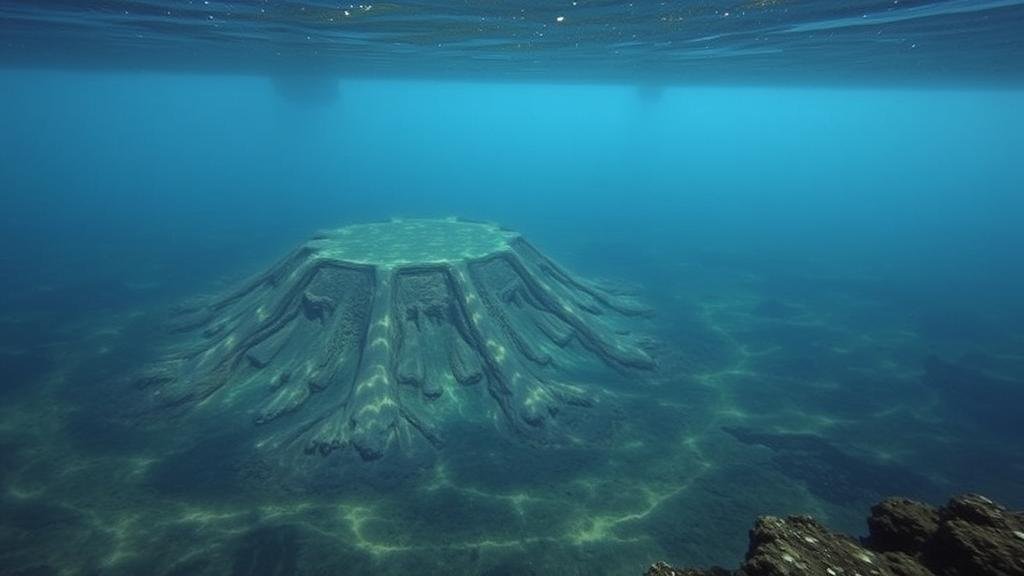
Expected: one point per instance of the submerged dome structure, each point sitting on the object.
(374, 337)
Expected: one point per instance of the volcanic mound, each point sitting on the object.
(373, 336)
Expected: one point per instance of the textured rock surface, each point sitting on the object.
(371, 337)
(902, 524)
(970, 536)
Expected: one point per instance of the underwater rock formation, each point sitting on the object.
(375, 336)
(970, 536)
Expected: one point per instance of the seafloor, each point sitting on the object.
(782, 388)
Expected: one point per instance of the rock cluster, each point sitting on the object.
(969, 536)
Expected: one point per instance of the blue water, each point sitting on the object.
(821, 202)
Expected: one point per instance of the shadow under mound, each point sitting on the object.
(975, 396)
(267, 551)
(833, 474)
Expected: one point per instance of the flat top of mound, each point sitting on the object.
(404, 242)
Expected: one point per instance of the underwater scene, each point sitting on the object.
(503, 287)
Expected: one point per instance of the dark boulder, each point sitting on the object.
(970, 536)
(900, 524)
(977, 536)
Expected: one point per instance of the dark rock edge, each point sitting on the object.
(969, 536)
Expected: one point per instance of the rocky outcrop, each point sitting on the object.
(970, 536)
